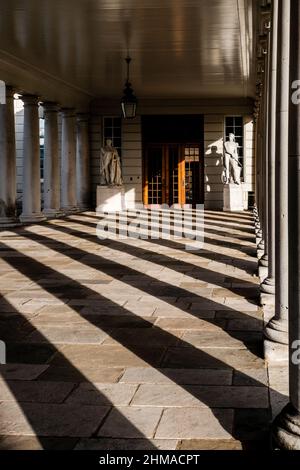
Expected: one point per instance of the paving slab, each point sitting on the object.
(201, 396)
(22, 371)
(50, 419)
(143, 375)
(34, 391)
(131, 422)
(107, 356)
(126, 444)
(191, 423)
(117, 394)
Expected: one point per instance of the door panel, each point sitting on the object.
(154, 173)
(192, 174)
(173, 158)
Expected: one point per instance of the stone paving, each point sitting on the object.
(133, 343)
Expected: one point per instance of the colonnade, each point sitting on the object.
(277, 214)
(66, 161)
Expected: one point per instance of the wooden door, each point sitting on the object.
(172, 174)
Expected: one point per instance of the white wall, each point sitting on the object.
(214, 116)
(132, 167)
(214, 119)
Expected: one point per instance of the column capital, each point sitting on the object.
(30, 100)
(50, 107)
(82, 117)
(68, 112)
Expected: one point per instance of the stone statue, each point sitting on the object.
(110, 166)
(232, 167)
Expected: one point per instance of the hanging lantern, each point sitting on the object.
(129, 100)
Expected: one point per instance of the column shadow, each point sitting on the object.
(165, 358)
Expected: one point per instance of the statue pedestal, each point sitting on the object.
(110, 199)
(233, 197)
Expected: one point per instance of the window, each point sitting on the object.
(42, 147)
(112, 130)
(2, 92)
(235, 125)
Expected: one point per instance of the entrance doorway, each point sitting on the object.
(172, 174)
(173, 163)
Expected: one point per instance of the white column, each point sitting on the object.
(286, 427)
(268, 285)
(51, 162)
(263, 245)
(277, 329)
(7, 161)
(68, 161)
(83, 164)
(31, 162)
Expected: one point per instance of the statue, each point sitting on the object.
(232, 166)
(110, 165)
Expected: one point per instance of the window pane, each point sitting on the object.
(235, 125)
(112, 130)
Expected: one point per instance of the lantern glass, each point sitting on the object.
(128, 109)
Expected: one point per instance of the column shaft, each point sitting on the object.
(277, 328)
(83, 166)
(68, 161)
(265, 146)
(268, 286)
(51, 162)
(7, 161)
(31, 162)
(286, 427)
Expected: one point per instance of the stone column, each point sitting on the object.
(286, 427)
(261, 235)
(277, 329)
(268, 285)
(83, 164)
(7, 161)
(263, 245)
(31, 162)
(68, 161)
(258, 183)
(51, 162)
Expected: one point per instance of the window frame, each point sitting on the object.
(104, 138)
(241, 158)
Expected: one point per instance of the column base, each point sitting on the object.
(286, 429)
(53, 213)
(276, 331)
(257, 242)
(8, 222)
(32, 218)
(70, 210)
(264, 260)
(84, 208)
(262, 273)
(268, 286)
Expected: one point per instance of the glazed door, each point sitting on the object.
(193, 173)
(172, 174)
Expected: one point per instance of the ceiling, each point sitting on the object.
(180, 48)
